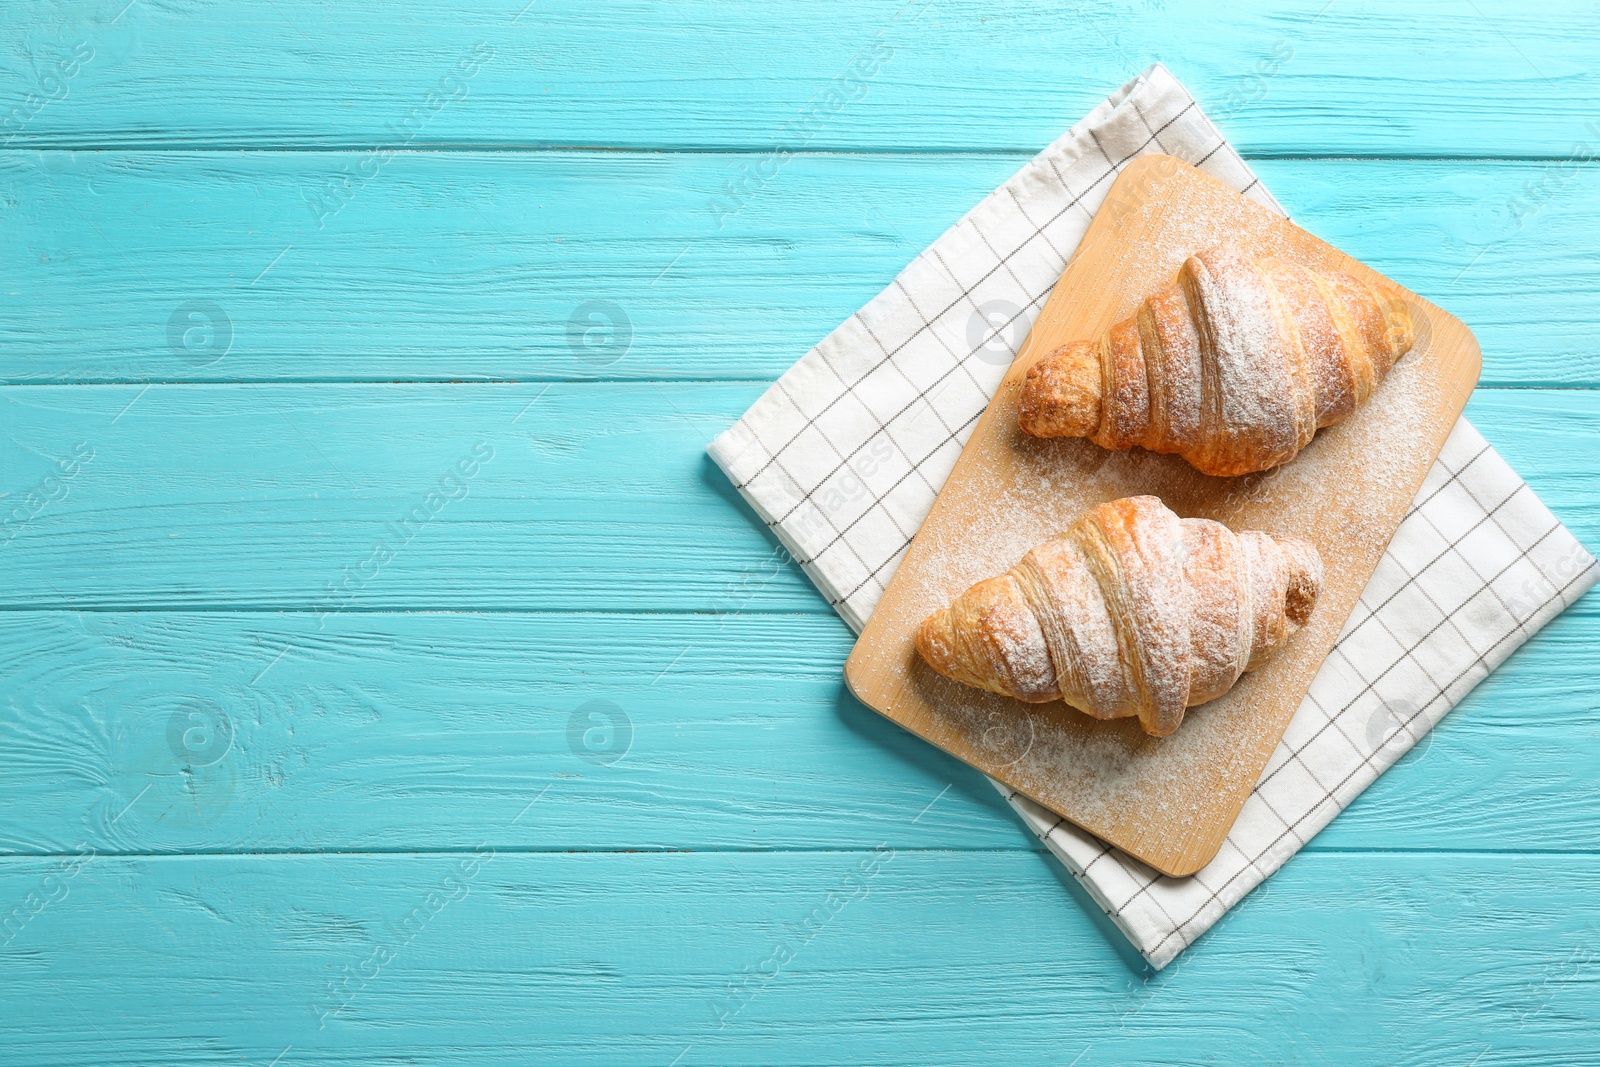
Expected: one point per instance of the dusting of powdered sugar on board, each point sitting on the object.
(1009, 513)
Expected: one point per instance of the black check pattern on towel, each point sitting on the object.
(843, 457)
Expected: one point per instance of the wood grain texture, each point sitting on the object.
(599, 498)
(888, 956)
(471, 265)
(415, 732)
(334, 498)
(1357, 77)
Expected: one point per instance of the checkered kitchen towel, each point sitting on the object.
(842, 460)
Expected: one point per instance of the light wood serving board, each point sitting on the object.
(1166, 801)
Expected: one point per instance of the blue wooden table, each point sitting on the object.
(386, 676)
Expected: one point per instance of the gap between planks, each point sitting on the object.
(23, 857)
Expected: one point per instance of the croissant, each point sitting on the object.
(1233, 367)
(1131, 611)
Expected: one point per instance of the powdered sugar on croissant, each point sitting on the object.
(1233, 367)
(1131, 611)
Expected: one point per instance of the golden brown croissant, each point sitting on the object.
(1234, 366)
(1132, 611)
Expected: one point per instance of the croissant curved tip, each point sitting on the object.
(1061, 395)
(1304, 571)
(936, 642)
(1157, 728)
(1400, 328)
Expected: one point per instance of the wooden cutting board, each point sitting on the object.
(1167, 801)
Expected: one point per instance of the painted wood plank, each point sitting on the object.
(888, 956)
(560, 497)
(261, 732)
(1356, 77)
(1532, 429)
(334, 498)
(558, 266)
(265, 732)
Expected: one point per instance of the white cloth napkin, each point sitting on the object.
(843, 456)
